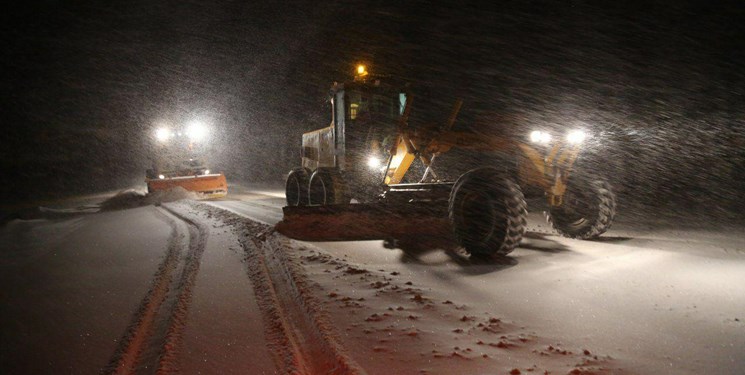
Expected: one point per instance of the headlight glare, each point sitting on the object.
(196, 131)
(538, 136)
(373, 162)
(162, 134)
(576, 137)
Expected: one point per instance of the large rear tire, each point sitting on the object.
(296, 187)
(327, 186)
(488, 212)
(588, 209)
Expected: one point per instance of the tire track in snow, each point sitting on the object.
(153, 339)
(303, 339)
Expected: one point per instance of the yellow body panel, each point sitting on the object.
(399, 165)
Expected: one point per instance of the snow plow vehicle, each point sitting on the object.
(192, 177)
(176, 165)
(354, 177)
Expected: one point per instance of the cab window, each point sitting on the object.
(379, 106)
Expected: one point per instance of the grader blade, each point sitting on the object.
(347, 222)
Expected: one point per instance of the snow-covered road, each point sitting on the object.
(211, 290)
(656, 300)
(127, 291)
(71, 286)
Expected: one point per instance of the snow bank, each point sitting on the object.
(120, 201)
(41, 212)
(133, 198)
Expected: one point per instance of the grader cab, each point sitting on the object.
(358, 171)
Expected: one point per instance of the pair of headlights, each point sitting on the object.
(196, 132)
(573, 137)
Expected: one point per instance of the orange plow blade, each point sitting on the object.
(210, 186)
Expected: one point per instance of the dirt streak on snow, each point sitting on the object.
(173, 342)
(132, 345)
(154, 338)
(224, 329)
(303, 338)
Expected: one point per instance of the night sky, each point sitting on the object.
(85, 83)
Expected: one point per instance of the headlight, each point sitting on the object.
(576, 137)
(206, 171)
(160, 176)
(538, 136)
(196, 131)
(373, 162)
(162, 134)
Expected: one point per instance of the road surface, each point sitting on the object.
(209, 287)
(658, 300)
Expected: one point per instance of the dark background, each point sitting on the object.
(661, 84)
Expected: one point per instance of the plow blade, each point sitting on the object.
(348, 222)
(209, 186)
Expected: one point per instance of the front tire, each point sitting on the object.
(488, 212)
(327, 186)
(588, 210)
(296, 187)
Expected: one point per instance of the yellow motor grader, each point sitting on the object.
(357, 168)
